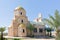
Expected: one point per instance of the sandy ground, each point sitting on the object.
(27, 38)
(38, 39)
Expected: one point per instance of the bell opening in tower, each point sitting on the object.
(21, 21)
(21, 13)
(23, 30)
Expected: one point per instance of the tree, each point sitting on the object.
(2, 29)
(31, 28)
(49, 31)
(54, 21)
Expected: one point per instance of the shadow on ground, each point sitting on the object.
(43, 37)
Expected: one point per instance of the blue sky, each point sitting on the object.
(32, 7)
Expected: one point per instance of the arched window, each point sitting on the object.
(35, 30)
(21, 13)
(23, 30)
(21, 21)
(40, 30)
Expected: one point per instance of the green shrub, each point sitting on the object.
(5, 38)
(17, 39)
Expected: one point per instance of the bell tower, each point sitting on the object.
(20, 14)
(19, 18)
(19, 11)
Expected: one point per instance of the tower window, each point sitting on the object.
(22, 21)
(23, 30)
(21, 13)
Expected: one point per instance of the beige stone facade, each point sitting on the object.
(20, 22)
(19, 18)
(22, 32)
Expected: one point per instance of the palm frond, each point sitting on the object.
(49, 22)
(2, 29)
(54, 21)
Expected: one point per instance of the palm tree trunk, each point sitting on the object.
(1, 35)
(57, 35)
(50, 34)
(57, 32)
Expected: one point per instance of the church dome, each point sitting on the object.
(19, 7)
(22, 25)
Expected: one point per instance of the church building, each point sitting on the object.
(20, 22)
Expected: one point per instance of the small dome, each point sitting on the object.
(19, 7)
(22, 25)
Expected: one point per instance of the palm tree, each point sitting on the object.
(31, 28)
(2, 29)
(54, 21)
